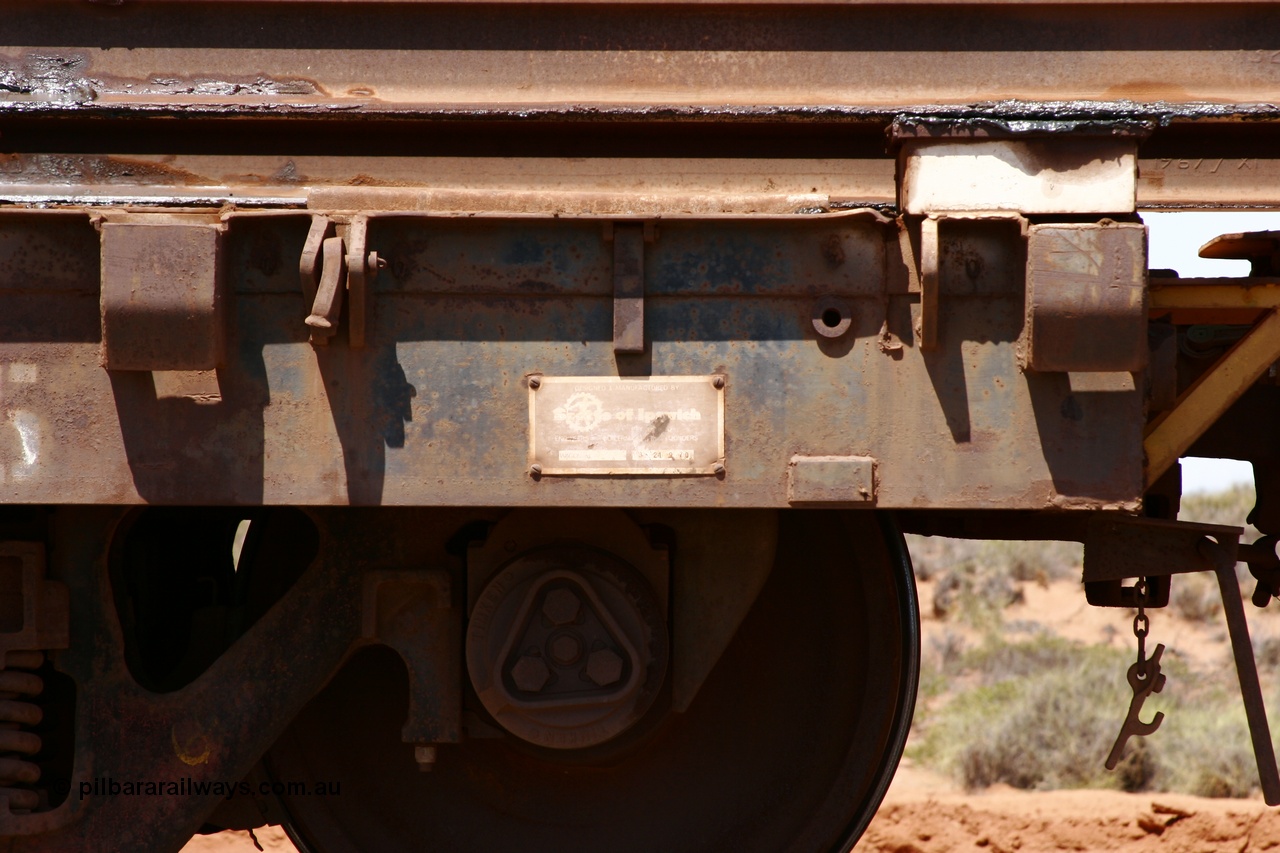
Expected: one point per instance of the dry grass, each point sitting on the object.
(1022, 561)
(1044, 714)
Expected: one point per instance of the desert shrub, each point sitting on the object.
(1044, 714)
(1266, 647)
(1033, 560)
(945, 651)
(1047, 721)
(1205, 748)
(974, 594)
(1022, 561)
(1196, 597)
(999, 661)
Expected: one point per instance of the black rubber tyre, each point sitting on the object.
(789, 746)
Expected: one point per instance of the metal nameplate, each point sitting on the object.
(626, 425)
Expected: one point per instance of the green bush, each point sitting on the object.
(974, 594)
(1205, 748)
(1044, 714)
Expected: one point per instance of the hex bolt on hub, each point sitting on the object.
(567, 647)
(565, 650)
(561, 606)
(530, 674)
(604, 667)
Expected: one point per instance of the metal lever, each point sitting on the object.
(1224, 565)
(328, 303)
(309, 264)
(1145, 678)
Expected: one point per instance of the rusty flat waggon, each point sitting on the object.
(490, 426)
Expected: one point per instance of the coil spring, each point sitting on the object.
(17, 685)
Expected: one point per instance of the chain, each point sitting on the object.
(1141, 623)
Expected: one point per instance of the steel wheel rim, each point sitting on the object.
(857, 788)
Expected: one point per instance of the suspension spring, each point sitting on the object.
(19, 684)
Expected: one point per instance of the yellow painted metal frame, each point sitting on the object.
(1214, 294)
(1170, 435)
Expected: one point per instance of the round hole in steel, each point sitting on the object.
(832, 317)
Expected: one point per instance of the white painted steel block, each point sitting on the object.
(1094, 176)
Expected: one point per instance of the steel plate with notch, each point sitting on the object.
(669, 425)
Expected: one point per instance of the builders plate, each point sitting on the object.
(672, 425)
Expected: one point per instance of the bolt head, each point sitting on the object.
(561, 606)
(604, 667)
(530, 674)
(718, 382)
(535, 470)
(717, 469)
(565, 650)
(535, 382)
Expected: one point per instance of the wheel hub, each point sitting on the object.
(567, 647)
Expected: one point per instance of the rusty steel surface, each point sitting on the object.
(204, 733)
(1086, 298)
(1082, 175)
(644, 274)
(1171, 434)
(194, 58)
(597, 183)
(607, 107)
(215, 729)
(434, 409)
(601, 183)
(826, 479)
(162, 305)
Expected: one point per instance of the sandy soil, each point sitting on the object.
(923, 813)
(272, 839)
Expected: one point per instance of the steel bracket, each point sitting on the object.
(34, 611)
(327, 306)
(1086, 298)
(628, 240)
(412, 612)
(333, 261)
(162, 300)
(929, 283)
(361, 269)
(929, 279)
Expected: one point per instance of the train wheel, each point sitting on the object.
(789, 745)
